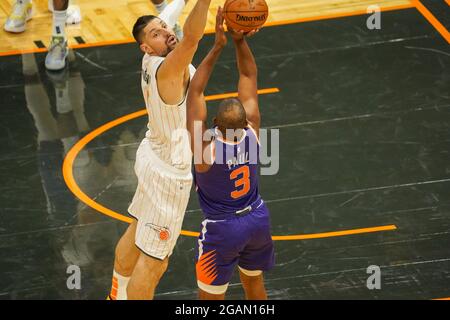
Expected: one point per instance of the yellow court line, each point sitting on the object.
(210, 31)
(76, 190)
(24, 51)
(432, 19)
(336, 233)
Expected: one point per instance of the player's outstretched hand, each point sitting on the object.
(240, 34)
(221, 38)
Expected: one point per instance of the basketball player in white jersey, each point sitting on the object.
(163, 160)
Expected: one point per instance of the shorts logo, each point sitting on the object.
(206, 267)
(164, 233)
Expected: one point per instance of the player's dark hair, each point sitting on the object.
(231, 115)
(140, 24)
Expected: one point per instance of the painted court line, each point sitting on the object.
(355, 117)
(319, 195)
(432, 19)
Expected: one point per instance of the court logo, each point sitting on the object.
(163, 232)
(374, 21)
(374, 280)
(74, 280)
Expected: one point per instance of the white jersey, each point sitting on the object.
(163, 169)
(165, 121)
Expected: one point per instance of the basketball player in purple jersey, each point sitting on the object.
(236, 229)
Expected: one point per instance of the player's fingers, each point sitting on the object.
(250, 33)
(218, 15)
(253, 32)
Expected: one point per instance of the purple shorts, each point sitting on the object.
(245, 241)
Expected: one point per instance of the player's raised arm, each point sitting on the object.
(196, 105)
(174, 70)
(248, 77)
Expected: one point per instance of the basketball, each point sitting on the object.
(245, 15)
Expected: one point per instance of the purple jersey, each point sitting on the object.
(231, 184)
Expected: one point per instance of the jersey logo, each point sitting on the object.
(145, 76)
(163, 232)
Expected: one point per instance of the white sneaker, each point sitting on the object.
(73, 13)
(57, 54)
(21, 13)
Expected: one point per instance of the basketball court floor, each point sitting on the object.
(364, 172)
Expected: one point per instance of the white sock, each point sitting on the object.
(119, 287)
(59, 23)
(172, 12)
(160, 7)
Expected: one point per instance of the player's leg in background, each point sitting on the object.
(21, 12)
(253, 284)
(145, 278)
(76, 93)
(58, 51)
(126, 257)
(38, 102)
(170, 13)
(73, 11)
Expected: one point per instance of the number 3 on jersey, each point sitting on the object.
(243, 173)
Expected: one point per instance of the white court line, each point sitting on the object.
(318, 51)
(358, 269)
(360, 190)
(315, 274)
(362, 116)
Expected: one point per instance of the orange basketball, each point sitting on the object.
(245, 15)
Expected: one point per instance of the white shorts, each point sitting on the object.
(159, 203)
